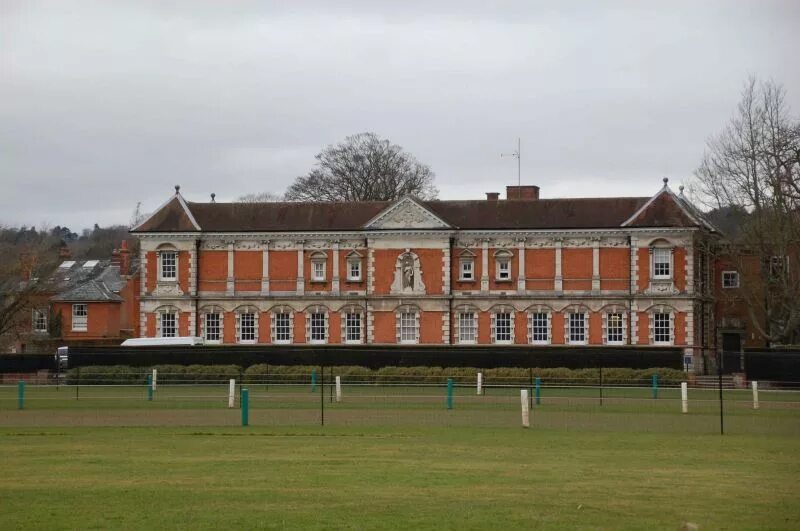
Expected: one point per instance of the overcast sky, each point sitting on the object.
(104, 104)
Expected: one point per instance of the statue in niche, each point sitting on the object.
(407, 275)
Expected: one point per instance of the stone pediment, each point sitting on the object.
(407, 214)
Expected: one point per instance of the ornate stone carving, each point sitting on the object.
(407, 214)
(408, 275)
(168, 288)
(661, 287)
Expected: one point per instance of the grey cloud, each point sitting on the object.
(109, 103)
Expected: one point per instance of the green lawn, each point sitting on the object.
(393, 477)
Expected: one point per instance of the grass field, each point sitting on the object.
(377, 477)
(395, 457)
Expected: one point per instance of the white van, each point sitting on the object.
(187, 341)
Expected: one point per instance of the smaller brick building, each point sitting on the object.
(84, 302)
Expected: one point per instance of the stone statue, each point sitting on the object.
(408, 273)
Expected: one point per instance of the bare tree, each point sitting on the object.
(25, 264)
(262, 197)
(364, 168)
(753, 167)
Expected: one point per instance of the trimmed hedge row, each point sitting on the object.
(123, 374)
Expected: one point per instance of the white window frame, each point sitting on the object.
(574, 319)
(317, 321)
(241, 326)
(496, 327)
(659, 261)
(467, 269)
(38, 317)
(349, 325)
(535, 320)
(407, 326)
(732, 280)
(174, 317)
(218, 328)
(354, 262)
(503, 269)
(319, 269)
(80, 317)
(670, 324)
(609, 317)
(162, 255)
(278, 326)
(467, 327)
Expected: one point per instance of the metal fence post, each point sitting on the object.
(655, 386)
(314, 380)
(245, 407)
(149, 388)
(449, 393)
(538, 390)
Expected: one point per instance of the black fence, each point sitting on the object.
(775, 365)
(370, 356)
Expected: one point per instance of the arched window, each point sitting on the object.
(502, 268)
(317, 324)
(212, 324)
(167, 263)
(407, 324)
(167, 321)
(352, 324)
(319, 261)
(247, 325)
(502, 325)
(466, 325)
(282, 324)
(540, 324)
(576, 325)
(615, 325)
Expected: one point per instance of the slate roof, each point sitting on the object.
(665, 209)
(99, 282)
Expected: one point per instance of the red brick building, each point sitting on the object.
(524, 270)
(84, 302)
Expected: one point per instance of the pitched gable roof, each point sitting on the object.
(407, 213)
(175, 214)
(665, 209)
(92, 290)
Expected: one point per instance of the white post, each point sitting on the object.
(684, 398)
(155, 376)
(754, 384)
(232, 393)
(480, 383)
(526, 412)
(338, 388)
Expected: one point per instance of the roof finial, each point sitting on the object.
(666, 180)
(177, 188)
(680, 189)
(213, 196)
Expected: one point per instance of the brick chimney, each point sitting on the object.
(124, 258)
(27, 262)
(527, 192)
(492, 196)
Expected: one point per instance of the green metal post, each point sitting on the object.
(245, 406)
(538, 390)
(655, 386)
(149, 388)
(21, 394)
(314, 380)
(449, 393)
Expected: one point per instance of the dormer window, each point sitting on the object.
(318, 263)
(662, 262)
(168, 265)
(503, 266)
(354, 267)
